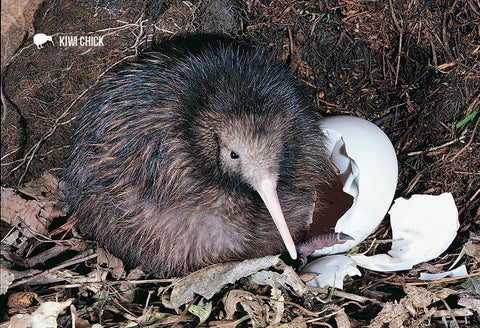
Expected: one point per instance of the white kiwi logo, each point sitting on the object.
(40, 39)
(65, 41)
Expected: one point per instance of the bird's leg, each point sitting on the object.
(318, 242)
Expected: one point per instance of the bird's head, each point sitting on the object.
(250, 150)
(245, 149)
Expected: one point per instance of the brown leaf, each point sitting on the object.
(112, 262)
(20, 300)
(253, 306)
(47, 187)
(33, 216)
(412, 306)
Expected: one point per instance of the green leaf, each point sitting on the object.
(467, 119)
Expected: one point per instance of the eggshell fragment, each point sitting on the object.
(332, 270)
(461, 271)
(367, 167)
(422, 228)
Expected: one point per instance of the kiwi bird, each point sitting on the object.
(201, 151)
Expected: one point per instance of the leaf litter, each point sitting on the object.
(412, 68)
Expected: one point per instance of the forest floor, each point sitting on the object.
(411, 67)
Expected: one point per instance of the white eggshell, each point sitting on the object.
(423, 227)
(331, 270)
(367, 167)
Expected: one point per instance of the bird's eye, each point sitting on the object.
(234, 155)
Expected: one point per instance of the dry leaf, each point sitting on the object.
(298, 322)
(152, 317)
(470, 303)
(472, 248)
(6, 279)
(20, 300)
(277, 304)
(410, 307)
(202, 310)
(17, 20)
(127, 289)
(33, 216)
(47, 187)
(341, 318)
(287, 279)
(112, 262)
(208, 281)
(253, 306)
(44, 317)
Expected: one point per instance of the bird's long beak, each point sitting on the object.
(268, 193)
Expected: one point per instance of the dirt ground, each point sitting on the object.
(411, 67)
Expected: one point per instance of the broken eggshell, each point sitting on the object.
(366, 165)
(423, 227)
(332, 270)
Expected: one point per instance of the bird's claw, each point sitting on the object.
(305, 249)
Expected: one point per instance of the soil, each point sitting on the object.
(411, 67)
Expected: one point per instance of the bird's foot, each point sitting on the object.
(305, 249)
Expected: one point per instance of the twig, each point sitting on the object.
(46, 255)
(346, 295)
(400, 42)
(446, 46)
(133, 282)
(58, 267)
(39, 155)
(428, 150)
(451, 312)
(420, 283)
(10, 153)
(290, 38)
(413, 183)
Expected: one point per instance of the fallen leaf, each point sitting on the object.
(341, 318)
(44, 317)
(411, 307)
(288, 280)
(277, 304)
(252, 305)
(472, 248)
(298, 322)
(202, 310)
(34, 206)
(6, 279)
(470, 302)
(208, 281)
(47, 187)
(152, 318)
(112, 262)
(20, 300)
(128, 289)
